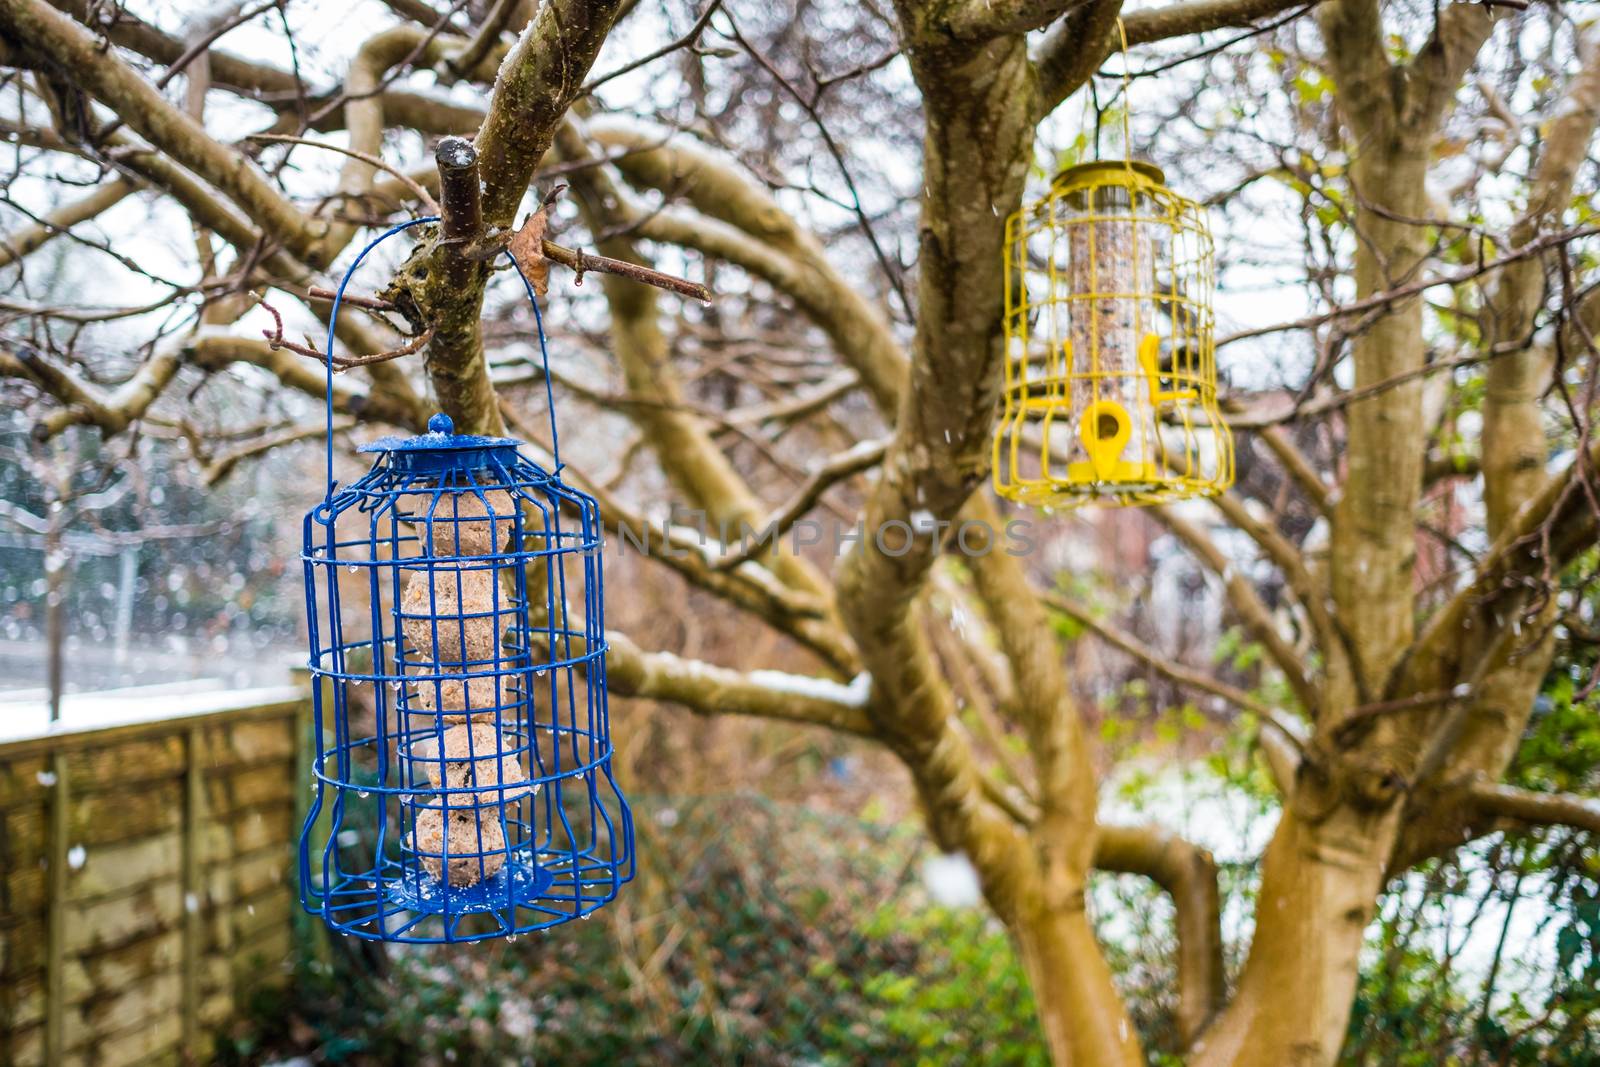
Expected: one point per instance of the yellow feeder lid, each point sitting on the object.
(1085, 173)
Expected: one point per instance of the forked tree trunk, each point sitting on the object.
(1319, 887)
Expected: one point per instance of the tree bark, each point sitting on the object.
(1081, 1015)
(1319, 889)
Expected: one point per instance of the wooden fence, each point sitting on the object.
(148, 881)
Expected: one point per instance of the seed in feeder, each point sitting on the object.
(476, 757)
(470, 612)
(480, 695)
(462, 525)
(477, 844)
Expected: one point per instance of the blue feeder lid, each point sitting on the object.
(442, 449)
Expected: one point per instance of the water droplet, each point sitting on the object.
(46, 778)
(191, 903)
(76, 857)
(350, 568)
(363, 794)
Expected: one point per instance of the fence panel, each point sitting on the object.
(147, 882)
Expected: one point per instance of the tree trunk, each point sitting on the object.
(1374, 538)
(1081, 1015)
(1319, 887)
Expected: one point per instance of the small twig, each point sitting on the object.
(667, 49)
(810, 107)
(276, 340)
(196, 48)
(1257, 31)
(202, 44)
(370, 303)
(862, 457)
(1346, 729)
(1382, 301)
(581, 262)
(398, 70)
(219, 468)
(409, 182)
(465, 61)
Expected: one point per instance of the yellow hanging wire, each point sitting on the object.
(1127, 100)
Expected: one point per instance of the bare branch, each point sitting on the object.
(275, 340)
(21, 243)
(221, 466)
(1297, 466)
(1535, 808)
(1307, 589)
(667, 49)
(708, 690)
(423, 196)
(863, 456)
(1282, 742)
(1389, 297)
(1247, 603)
(1189, 875)
(69, 46)
(1434, 75)
(86, 403)
(485, 38)
(1075, 49)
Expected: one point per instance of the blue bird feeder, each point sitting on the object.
(462, 774)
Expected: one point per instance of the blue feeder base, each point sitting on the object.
(520, 882)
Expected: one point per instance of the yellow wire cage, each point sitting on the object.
(1110, 365)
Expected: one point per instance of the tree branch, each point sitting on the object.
(1307, 589)
(750, 587)
(1281, 741)
(19, 244)
(221, 466)
(73, 49)
(1353, 32)
(1072, 52)
(537, 82)
(1535, 808)
(1434, 75)
(1247, 603)
(1189, 876)
(862, 456)
(1297, 466)
(681, 440)
(87, 404)
(740, 222)
(708, 690)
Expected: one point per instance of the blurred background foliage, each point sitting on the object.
(810, 924)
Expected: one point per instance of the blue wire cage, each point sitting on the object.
(462, 781)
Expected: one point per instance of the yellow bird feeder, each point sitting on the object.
(1110, 365)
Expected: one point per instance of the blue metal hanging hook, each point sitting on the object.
(333, 324)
